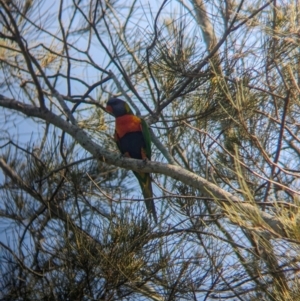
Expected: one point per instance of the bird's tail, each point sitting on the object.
(146, 186)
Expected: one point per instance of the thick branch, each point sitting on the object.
(205, 24)
(173, 171)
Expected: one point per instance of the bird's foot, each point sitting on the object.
(125, 155)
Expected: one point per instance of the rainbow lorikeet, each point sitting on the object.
(133, 140)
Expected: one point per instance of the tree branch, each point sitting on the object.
(173, 171)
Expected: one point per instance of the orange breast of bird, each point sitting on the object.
(127, 124)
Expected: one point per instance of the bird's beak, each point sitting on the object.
(109, 109)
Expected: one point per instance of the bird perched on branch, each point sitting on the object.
(133, 140)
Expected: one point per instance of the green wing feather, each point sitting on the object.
(147, 138)
(145, 178)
